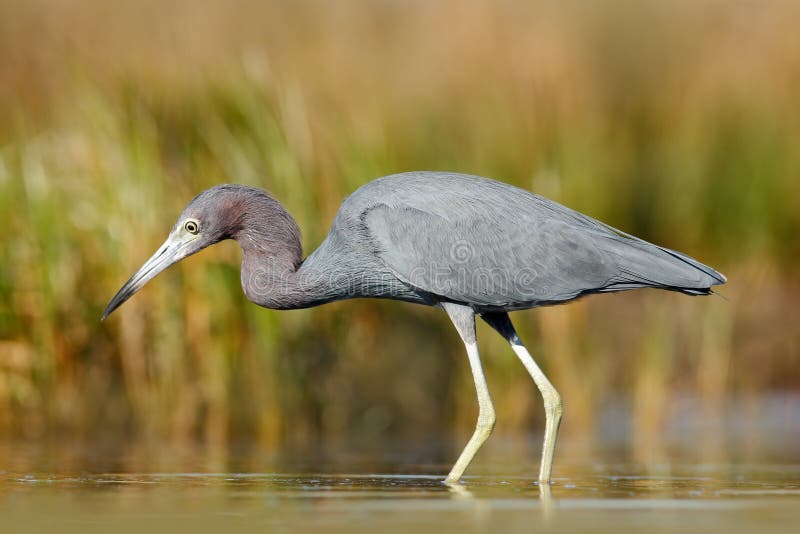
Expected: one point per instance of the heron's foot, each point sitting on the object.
(457, 488)
(451, 480)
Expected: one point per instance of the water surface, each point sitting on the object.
(734, 475)
(598, 498)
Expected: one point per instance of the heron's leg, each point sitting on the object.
(552, 400)
(463, 318)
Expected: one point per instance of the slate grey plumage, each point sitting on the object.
(467, 244)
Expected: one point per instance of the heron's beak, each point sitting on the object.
(174, 249)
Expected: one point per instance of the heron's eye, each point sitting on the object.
(191, 226)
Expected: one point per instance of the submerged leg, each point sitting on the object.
(464, 320)
(552, 400)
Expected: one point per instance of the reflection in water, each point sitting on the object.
(735, 499)
(458, 490)
(104, 485)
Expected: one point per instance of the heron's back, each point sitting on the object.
(494, 246)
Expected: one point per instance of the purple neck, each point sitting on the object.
(273, 274)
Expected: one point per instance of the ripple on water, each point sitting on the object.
(736, 499)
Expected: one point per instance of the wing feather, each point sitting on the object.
(477, 241)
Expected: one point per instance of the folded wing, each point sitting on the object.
(496, 246)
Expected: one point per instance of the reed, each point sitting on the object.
(677, 122)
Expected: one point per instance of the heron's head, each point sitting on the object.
(218, 213)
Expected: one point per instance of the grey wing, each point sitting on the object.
(531, 251)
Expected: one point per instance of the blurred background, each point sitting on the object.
(675, 121)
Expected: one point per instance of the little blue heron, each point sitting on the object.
(465, 244)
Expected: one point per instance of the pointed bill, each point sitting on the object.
(173, 250)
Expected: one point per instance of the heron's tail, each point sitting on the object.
(642, 264)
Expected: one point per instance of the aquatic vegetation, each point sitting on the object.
(679, 131)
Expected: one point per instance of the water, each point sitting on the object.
(41, 491)
(747, 501)
(737, 474)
